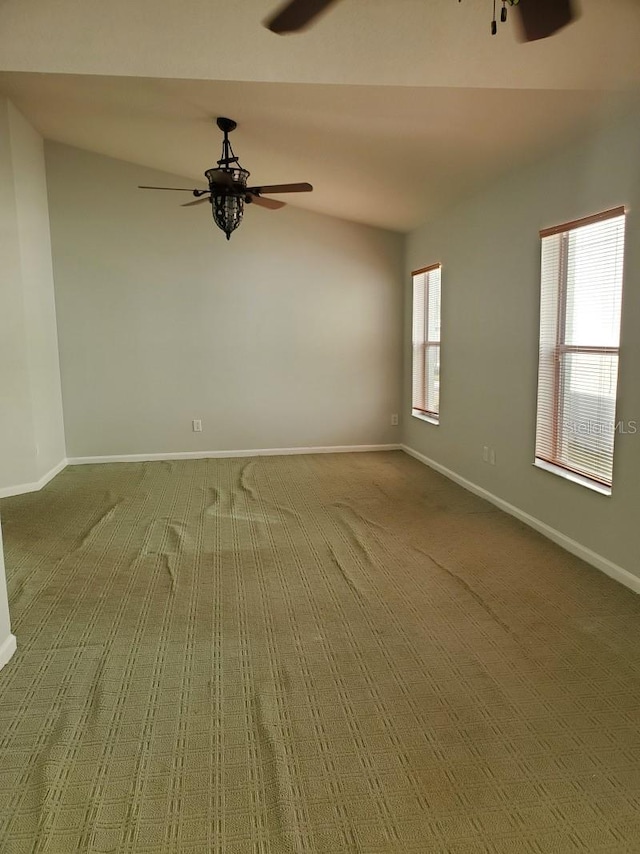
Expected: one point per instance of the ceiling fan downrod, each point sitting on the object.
(226, 126)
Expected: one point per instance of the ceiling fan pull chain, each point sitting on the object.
(503, 14)
(494, 23)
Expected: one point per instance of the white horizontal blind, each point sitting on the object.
(426, 341)
(581, 299)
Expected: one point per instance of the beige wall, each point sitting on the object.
(38, 294)
(287, 336)
(15, 408)
(17, 442)
(489, 249)
(31, 424)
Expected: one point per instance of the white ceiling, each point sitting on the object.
(391, 108)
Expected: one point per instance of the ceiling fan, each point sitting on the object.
(228, 192)
(538, 18)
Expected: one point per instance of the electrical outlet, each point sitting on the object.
(394, 420)
(196, 425)
(485, 453)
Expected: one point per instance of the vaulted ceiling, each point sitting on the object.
(391, 108)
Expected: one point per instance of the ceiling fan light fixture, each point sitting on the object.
(227, 213)
(227, 204)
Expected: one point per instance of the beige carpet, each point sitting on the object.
(308, 654)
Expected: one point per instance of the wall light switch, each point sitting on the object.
(492, 457)
(485, 453)
(197, 425)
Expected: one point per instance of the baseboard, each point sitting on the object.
(7, 649)
(602, 563)
(22, 488)
(253, 452)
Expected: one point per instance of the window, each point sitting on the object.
(425, 396)
(581, 299)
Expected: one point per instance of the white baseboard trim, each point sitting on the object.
(206, 455)
(7, 648)
(22, 488)
(602, 563)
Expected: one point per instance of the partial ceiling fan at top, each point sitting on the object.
(539, 19)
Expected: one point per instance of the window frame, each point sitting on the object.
(554, 462)
(421, 348)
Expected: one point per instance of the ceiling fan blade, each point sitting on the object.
(282, 188)
(542, 18)
(296, 15)
(197, 202)
(271, 204)
(180, 189)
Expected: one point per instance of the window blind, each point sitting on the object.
(580, 312)
(426, 342)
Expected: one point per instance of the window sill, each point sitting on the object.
(430, 419)
(574, 478)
